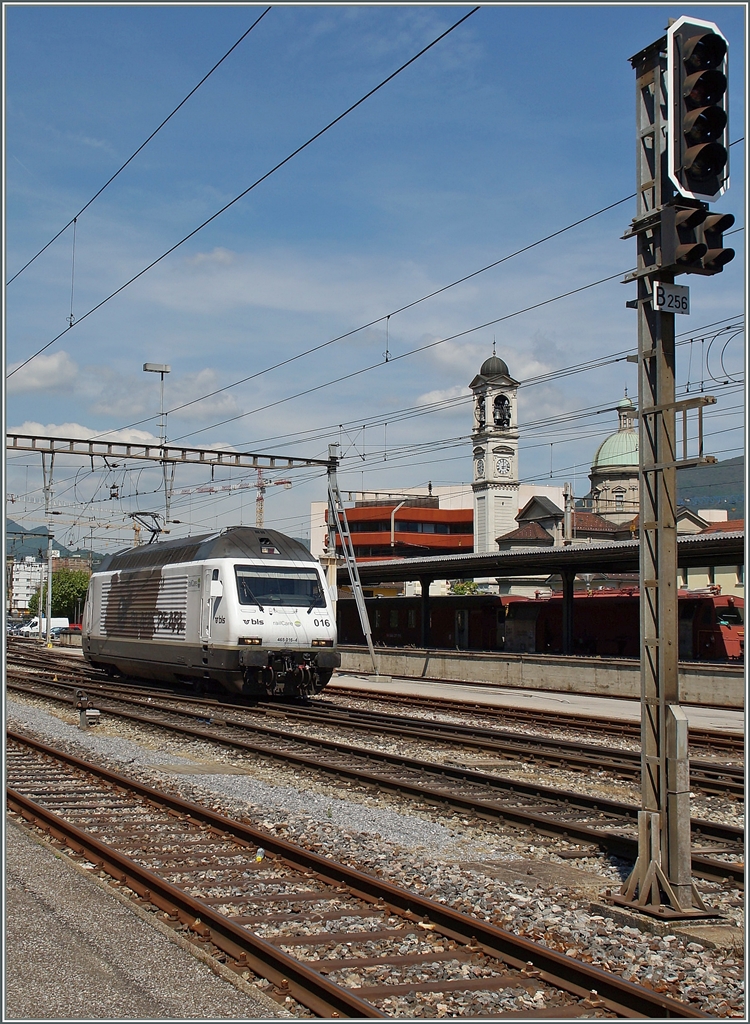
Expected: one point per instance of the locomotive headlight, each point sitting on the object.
(256, 640)
(322, 643)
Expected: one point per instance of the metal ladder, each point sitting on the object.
(337, 523)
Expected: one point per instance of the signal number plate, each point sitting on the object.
(671, 298)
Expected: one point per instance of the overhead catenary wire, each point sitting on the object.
(569, 422)
(384, 317)
(250, 188)
(141, 147)
(421, 410)
(409, 412)
(393, 416)
(71, 318)
(408, 452)
(530, 479)
(403, 355)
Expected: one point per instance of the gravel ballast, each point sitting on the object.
(508, 876)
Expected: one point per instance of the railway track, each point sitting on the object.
(594, 822)
(706, 775)
(25, 652)
(339, 942)
(719, 742)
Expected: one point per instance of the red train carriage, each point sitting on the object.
(463, 622)
(605, 624)
(713, 628)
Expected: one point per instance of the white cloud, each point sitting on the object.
(280, 279)
(87, 140)
(443, 395)
(79, 432)
(193, 386)
(55, 372)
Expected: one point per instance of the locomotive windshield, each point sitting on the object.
(729, 615)
(279, 586)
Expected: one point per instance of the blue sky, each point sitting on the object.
(518, 123)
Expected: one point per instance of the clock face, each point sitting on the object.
(480, 467)
(503, 467)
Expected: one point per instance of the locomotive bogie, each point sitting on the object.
(255, 618)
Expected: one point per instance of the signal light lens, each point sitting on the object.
(322, 643)
(715, 259)
(704, 51)
(689, 218)
(704, 125)
(251, 640)
(720, 222)
(704, 88)
(706, 161)
(687, 254)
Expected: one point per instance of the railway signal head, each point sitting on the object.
(712, 230)
(697, 145)
(682, 248)
(692, 239)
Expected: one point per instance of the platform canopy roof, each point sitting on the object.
(693, 551)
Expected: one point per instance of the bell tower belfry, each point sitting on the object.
(495, 450)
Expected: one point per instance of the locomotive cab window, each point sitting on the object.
(257, 585)
(730, 615)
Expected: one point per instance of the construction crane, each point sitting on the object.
(260, 486)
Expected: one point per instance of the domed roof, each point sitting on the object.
(494, 367)
(620, 449)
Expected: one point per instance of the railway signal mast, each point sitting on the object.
(682, 165)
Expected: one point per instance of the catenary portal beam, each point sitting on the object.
(156, 453)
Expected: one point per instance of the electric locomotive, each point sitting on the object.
(245, 610)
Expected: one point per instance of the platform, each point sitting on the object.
(718, 719)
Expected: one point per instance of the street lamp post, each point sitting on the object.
(161, 369)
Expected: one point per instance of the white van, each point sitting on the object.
(32, 628)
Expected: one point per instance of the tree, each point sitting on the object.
(69, 588)
(462, 587)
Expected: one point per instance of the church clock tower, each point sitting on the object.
(495, 449)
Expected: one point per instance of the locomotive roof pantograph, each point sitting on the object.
(233, 542)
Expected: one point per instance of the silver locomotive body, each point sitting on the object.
(245, 609)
